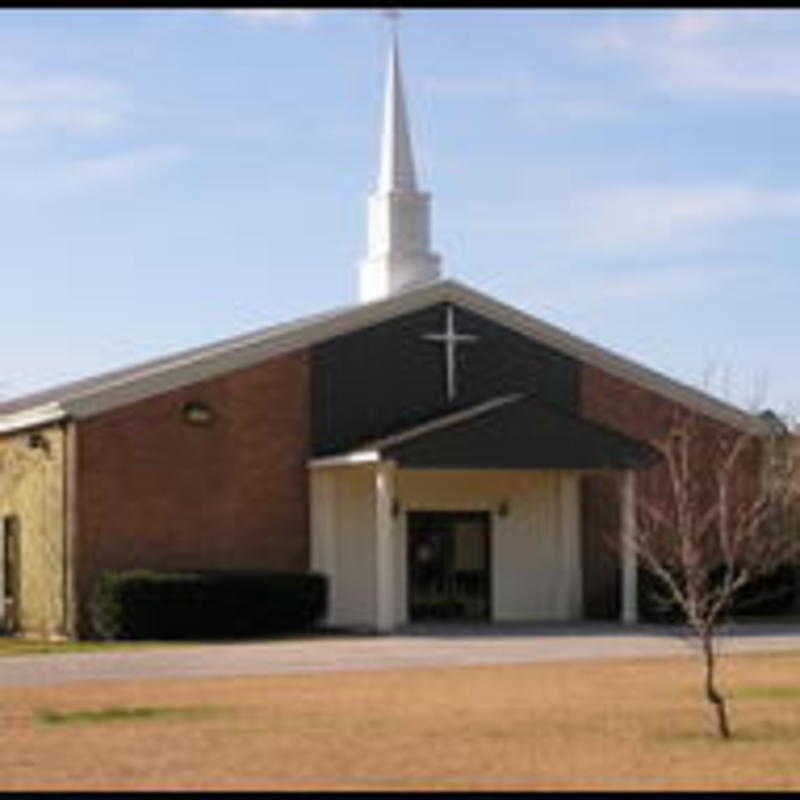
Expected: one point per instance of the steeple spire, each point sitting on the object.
(397, 160)
(398, 237)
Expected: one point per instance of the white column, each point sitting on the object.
(630, 606)
(384, 546)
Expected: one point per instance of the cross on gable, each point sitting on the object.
(450, 338)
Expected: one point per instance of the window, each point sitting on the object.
(10, 573)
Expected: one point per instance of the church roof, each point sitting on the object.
(91, 396)
(518, 431)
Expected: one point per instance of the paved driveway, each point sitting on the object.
(418, 646)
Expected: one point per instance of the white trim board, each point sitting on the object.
(31, 417)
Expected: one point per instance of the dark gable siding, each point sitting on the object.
(386, 378)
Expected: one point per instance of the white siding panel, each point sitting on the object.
(535, 553)
(571, 549)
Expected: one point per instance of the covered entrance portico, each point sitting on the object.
(506, 474)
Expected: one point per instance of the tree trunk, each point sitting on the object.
(712, 695)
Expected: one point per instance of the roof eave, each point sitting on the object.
(32, 418)
(353, 458)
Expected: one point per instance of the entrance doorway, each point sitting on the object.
(448, 565)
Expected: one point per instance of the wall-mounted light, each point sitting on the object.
(197, 413)
(38, 441)
(502, 509)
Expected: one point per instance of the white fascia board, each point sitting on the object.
(353, 459)
(32, 418)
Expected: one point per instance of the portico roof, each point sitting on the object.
(512, 432)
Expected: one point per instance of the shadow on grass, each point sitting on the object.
(48, 716)
(18, 646)
(27, 647)
(752, 733)
(769, 692)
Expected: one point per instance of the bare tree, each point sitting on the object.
(719, 514)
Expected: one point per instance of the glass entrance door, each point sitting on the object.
(448, 565)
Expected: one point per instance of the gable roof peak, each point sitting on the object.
(91, 396)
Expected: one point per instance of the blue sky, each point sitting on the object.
(174, 177)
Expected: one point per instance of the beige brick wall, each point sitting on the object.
(32, 489)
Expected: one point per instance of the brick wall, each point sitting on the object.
(156, 492)
(642, 414)
(636, 412)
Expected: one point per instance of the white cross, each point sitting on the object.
(450, 339)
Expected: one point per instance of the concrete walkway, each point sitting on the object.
(431, 645)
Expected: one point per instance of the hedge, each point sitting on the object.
(146, 604)
(768, 594)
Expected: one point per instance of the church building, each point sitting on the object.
(436, 453)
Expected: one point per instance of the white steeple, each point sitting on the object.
(398, 236)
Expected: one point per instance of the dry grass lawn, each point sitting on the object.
(635, 724)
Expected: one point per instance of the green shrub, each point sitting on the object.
(774, 593)
(145, 604)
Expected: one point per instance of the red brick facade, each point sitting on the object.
(638, 413)
(641, 414)
(628, 408)
(154, 491)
